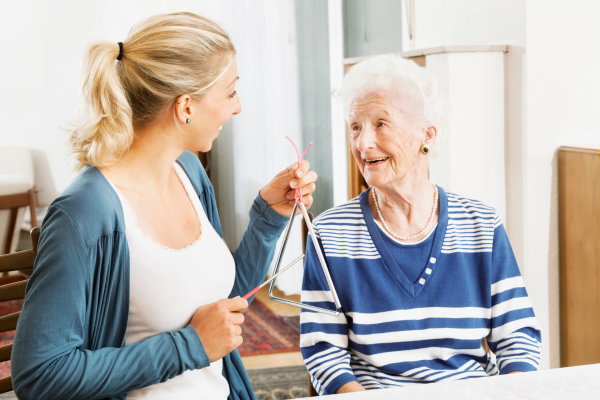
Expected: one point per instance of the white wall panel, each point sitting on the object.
(562, 99)
(469, 160)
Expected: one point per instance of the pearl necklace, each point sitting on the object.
(435, 200)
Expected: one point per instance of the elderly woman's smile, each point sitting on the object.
(384, 141)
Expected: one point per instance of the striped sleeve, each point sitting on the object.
(323, 338)
(515, 337)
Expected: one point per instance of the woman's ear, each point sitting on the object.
(183, 109)
(431, 135)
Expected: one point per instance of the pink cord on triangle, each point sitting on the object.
(298, 190)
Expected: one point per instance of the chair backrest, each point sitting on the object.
(17, 177)
(13, 202)
(14, 291)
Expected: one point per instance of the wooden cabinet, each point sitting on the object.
(579, 230)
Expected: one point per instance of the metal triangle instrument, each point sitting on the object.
(321, 261)
(277, 272)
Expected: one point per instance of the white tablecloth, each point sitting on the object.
(564, 383)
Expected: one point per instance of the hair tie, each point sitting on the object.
(120, 51)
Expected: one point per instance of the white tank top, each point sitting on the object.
(166, 288)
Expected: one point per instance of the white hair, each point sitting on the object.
(414, 87)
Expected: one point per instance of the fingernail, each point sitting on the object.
(298, 174)
(293, 184)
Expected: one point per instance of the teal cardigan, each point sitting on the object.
(70, 338)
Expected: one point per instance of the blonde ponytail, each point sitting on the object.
(107, 132)
(164, 57)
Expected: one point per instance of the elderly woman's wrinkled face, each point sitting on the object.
(384, 142)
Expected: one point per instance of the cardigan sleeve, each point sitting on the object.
(323, 338)
(255, 252)
(515, 337)
(51, 357)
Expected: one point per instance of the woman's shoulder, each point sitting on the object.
(465, 207)
(350, 211)
(91, 204)
(462, 202)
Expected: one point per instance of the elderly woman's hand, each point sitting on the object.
(280, 192)
(351, 387)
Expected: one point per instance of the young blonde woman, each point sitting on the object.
(134, 293)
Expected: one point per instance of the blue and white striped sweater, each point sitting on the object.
(394, 332)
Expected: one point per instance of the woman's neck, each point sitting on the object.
(406, 204)
(406, 194)
(149, 161)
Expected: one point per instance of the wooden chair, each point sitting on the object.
(14, 291)
(311, 390)
(13, 202)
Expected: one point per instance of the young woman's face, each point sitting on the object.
(209, 114)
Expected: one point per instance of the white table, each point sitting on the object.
(564, 384)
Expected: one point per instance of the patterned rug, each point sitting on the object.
(279, 383)
(265, 332)
(8, 307)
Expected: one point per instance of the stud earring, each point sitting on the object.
(189, 121)
(425, 149)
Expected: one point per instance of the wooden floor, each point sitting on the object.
(279, 359)
(273, 360)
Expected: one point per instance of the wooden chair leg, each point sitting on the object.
(311, 390)
(11, 229)
(32, 207)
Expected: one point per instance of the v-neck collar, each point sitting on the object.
(413, 289)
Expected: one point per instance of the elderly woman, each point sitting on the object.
(424, 277)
